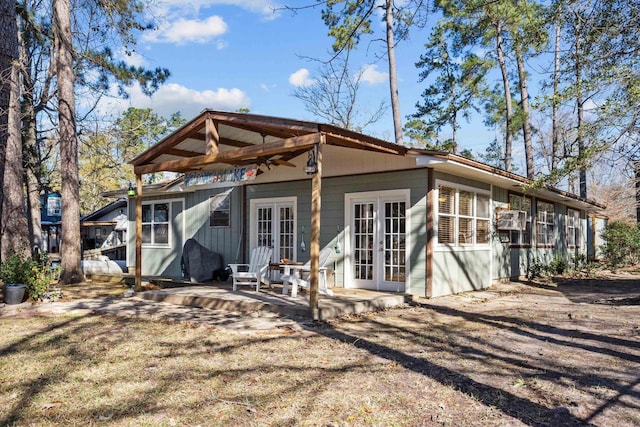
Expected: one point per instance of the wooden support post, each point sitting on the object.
(138, 279)
(212, 138)
(316, 187)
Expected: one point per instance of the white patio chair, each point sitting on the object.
(254, 272)
(298, 275)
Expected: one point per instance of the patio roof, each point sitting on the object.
(237, 139)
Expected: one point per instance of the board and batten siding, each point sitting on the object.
(222, 240)
(333, 213)
(159, 260)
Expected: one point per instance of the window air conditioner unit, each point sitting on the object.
(512, 220)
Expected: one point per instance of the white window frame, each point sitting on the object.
(152, 203)
(253, 231)
(575, 229)
(544, 222)
(456, 215)
(226, 198)
(404, 195)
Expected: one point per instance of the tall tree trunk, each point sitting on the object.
(508, 140)
(8, 53)
(636, 165)
(526, 120)
(393, 78)
(555, 131)
(70, 247)
(31, 172)
(29, 143)
(580, 138)
(14, 224)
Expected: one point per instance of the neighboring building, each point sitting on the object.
(50, 221)
(106, 227)
(400, 219)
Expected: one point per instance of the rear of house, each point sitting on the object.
(398, 219)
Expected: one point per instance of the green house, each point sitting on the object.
(398, 219)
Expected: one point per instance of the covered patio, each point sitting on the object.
(216, 140)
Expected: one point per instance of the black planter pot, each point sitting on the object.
(13, 293)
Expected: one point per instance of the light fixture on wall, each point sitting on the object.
(303, 247)
(312, 161)
(338, 248)
(131, 192)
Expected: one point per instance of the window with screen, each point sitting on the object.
(545, 224)
(463, 217)
(573, 228)
(521, 237)
(220, 210)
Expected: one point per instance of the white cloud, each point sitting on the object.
(221, 44)
(184, 31)
(133, 58)
(301, 78)
(269, 9)
(266, 87)
(371, 75)
(173, 97)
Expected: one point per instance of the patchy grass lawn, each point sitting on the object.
(538, 355)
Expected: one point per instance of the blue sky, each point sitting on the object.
(230, 54)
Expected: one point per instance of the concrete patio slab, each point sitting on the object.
(221, 297)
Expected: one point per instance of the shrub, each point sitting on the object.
(622, 244)
(34, 272)
(558, 265)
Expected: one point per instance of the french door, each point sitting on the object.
(273, 225)
(377, 241)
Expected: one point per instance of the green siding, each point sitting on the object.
(333, 212)
(159, 261)
(514, 263)
(460, 271)
(223, 240)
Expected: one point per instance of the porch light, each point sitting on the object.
(303, 247)
(131, 192)
(312, 163)
(338, 249)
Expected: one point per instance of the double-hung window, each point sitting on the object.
(220, 210)
(463, 216)
(155, 223)
(545, 224)
(521, 203)
(573, 228)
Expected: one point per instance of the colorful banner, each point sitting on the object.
(245, 173)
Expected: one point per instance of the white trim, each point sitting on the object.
(170, 242)
(446, 247)
(273, 201)
(349, 198)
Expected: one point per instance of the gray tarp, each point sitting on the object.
(201, 264)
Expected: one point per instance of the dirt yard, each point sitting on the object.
(541, 354)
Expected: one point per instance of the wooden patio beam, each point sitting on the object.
(223, 141)
(171, 141)
(264, 123)
(212, 138)
(181, 153)
(231, 156)
(316, 202)
(138, 272)
(362, 143)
